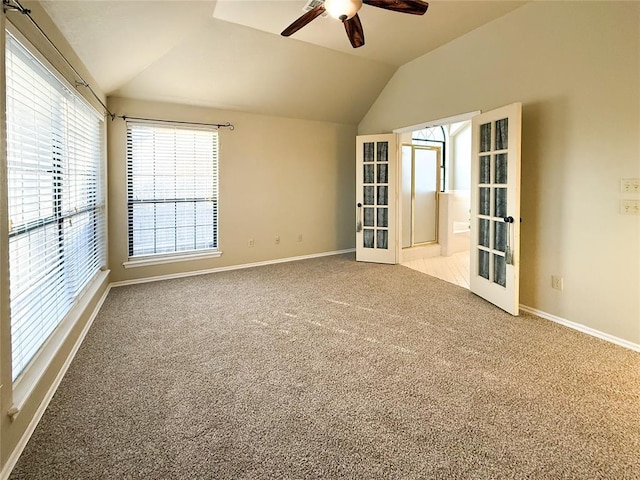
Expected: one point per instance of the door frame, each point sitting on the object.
(438, 176)
(402, 140)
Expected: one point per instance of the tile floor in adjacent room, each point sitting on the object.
(453, 269)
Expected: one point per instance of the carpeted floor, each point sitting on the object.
(328, 368)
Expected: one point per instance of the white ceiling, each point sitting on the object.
(229, 54)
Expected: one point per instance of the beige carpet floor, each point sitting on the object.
(328, 368)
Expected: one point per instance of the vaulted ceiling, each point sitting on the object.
(229, 54)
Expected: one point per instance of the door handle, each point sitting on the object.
(359, 218)
(508, 254)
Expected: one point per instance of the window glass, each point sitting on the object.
(172, 188)
(55, 199)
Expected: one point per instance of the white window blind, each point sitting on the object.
(172, 188)
(56, 204)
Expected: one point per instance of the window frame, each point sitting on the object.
(92, 283)
(159, 258)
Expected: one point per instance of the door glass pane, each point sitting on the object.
(383, 196)
(367, 174)
(382, 240)
(501, 202)
(425, 203)
(485, 169)
(483, 232)
(383, 173)
(500, 236)
(500, 270)
(369, 193)
(383, 217)
(485, 203)
(483, 264)
(368, 217)
(383, 151)
(501, 168)
(367, 238)
(367, 152)
(485, 137)
(502, 134)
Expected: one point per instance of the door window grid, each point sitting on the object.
(492, 201)
(376, 195)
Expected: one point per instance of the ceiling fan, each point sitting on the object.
(347, 12)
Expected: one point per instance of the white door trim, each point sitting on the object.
(436, 123)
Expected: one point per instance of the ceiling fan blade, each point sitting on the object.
(353, 27)
(303, 20)
(414, 7)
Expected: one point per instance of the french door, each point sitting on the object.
(376, 170)
(495, 206)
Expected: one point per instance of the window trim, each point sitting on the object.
(150, 259)
(28, 381)
(161, 259)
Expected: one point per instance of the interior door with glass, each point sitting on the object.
(495, 206)
(376, 198)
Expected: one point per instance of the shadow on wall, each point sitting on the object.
(345, 214)
(543, 171)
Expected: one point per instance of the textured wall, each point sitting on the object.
(575, 67)
(278, 177)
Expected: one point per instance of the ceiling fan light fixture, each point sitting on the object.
(342, 9)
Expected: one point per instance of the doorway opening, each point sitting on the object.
(420, 186)
(435, 199)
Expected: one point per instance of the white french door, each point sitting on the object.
(376, 170)
(495, 206)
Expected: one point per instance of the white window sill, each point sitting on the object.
(26, 383)
(150, 260)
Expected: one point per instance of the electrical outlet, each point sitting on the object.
(299, 237)
(630, 185)
(277, 239)
(630, 207)
(557, 282)
(251, 243)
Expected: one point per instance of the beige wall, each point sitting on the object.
(575, 66)
(278, 177)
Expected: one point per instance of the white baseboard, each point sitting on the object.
(582, 328)
(230, 267)
(17, 451)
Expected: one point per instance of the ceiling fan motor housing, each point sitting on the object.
(347, 12)
(342, 9)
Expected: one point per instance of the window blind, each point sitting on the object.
(55, 199)
(172, 188)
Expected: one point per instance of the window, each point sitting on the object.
(434, 137)
(55, 199)
(172, 189)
